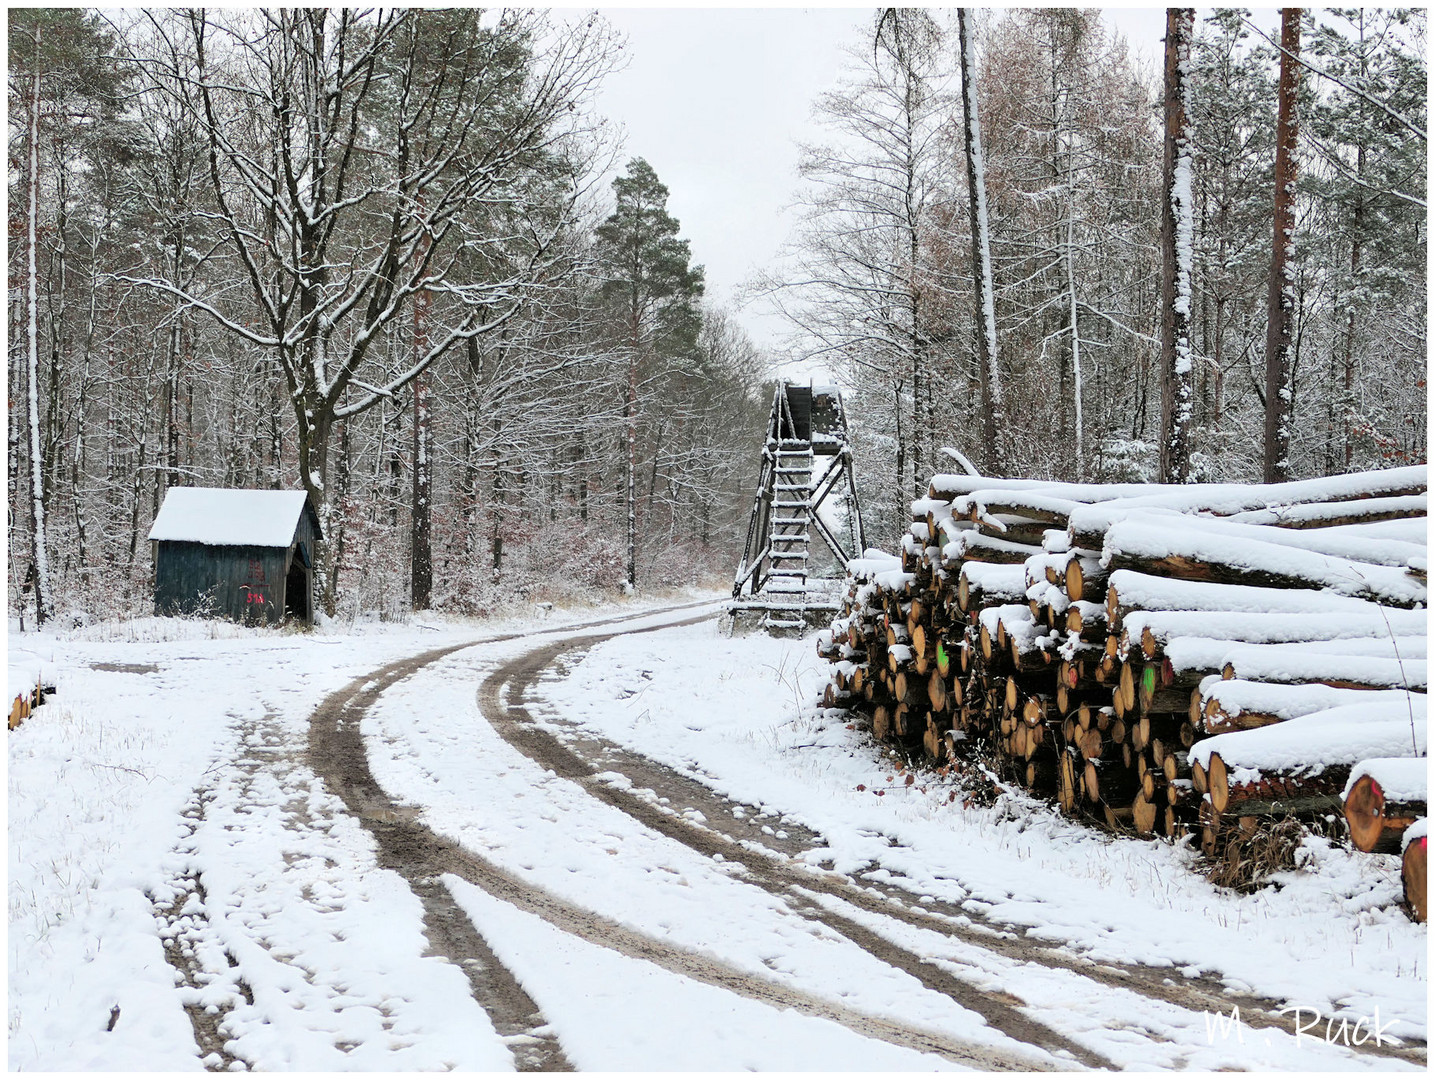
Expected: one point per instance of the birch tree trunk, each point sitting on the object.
(1280, 294)
(1177, 252)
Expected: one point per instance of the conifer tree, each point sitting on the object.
(653, 289)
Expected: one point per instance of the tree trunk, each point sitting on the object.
(1347, 396)
(421, 516)
(80, 458)
(1280, 292)
(1177, 252)
(984, 291)
(498, 499)
(630, 420)
(1075, 326)
(39, 555)
(581, 461)
(338, 521)
(171, 406)
(901, 443)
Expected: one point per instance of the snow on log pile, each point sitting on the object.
(1157, 658)
(28, 700)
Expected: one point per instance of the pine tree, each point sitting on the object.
(653, 289)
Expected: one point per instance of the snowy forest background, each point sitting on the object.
(383, 256)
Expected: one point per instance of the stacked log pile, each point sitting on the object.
(26, 703)
(1163, 659)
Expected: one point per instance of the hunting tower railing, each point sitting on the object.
(805, 489)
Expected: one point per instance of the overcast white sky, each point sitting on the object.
(716, 100)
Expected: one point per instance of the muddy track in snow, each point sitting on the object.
(178, 933)
(337, 755)
(775, 875)
(769, 859)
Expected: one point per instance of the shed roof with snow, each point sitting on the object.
(243, 517)
(240, 553)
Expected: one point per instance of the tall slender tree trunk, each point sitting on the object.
(39, 554)
(630, 418)
(79, 460)
(171, 407)
(1347, 395)
(1177, 253)
(630, 424)
(421, 516)
(497, 502)
(1280, 292)
(58, 290)
(14, 437)
(338, 520)
(901, 442)
(984, 292)
(580, 460)
(1075, 326)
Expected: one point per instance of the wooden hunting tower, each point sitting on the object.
(234, 553)
(805, 488)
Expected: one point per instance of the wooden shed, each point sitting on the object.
(235, 553)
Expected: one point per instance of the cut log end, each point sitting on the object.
(1143, 815)
(1217, 784)
(1364, 813)
(1413, 874)
(1376, 823)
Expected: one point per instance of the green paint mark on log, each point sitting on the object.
(1148, 681)
(941, 653)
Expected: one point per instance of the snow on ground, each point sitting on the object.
(734, 712)
(108, 828)
(631, 1016)
(169, 846)
(429, 747)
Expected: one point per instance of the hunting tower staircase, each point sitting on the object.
(805, 489)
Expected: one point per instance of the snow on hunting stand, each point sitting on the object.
(1204, 659)
(805, 486)
(241, 554)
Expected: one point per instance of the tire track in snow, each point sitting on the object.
(514, 723)
(777, 872)
(337, 755)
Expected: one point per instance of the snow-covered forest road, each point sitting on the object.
(630, 845)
